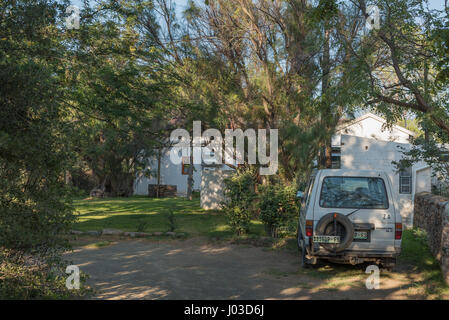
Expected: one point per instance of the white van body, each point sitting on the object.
(364, 197)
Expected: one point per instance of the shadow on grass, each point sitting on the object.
(128, 214)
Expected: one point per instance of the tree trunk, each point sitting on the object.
(426, 95)
(159, 156)
(328, 155)
(190, 178)
(324, 86)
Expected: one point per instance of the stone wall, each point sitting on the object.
(432, 215)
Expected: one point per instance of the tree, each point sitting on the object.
(192, 96)
(404, 62)
(118, 96)
(34, 202)
(269, 56)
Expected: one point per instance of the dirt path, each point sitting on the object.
(194, 269)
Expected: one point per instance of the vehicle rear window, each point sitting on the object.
(353, 193)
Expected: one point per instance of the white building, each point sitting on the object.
(175, 174)
(171, 174)
(365, 143)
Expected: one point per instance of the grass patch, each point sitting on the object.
(150, 215)
(415, 251)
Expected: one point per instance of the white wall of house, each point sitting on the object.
(171, 174)
(371, 154)
(371, 126)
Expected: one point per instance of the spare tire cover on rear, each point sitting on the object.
(345, 230)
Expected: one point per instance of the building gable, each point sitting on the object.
(372, 127)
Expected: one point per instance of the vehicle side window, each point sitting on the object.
(306, 199)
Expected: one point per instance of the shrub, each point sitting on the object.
(26, 276)
(278, 208)
(142, 226)
(171, 220)
(240, 197)
(238, 220)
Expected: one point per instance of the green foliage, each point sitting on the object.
(117, 98)
(278, 208)
(240, 204)
(142, 226)
(269, 75)
(25, 276)
(238, 219)
(430, 152)
(171, 220)
(439, 36)
(35, 207)
(403, 64)
(412, 125)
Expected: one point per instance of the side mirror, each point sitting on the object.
(300, 194)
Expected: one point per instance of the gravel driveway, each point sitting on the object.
(193, 269)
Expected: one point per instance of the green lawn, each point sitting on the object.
(128, 214)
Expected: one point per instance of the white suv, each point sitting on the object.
(349, 216)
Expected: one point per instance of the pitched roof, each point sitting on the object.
(346, 124)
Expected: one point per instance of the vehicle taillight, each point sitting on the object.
(398, 231)
(309, 228)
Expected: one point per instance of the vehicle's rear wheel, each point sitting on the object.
(336, 224)
(299, 237)
(306, 262)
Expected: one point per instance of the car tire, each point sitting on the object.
(304, 261)
(345, 227)
(299, 237)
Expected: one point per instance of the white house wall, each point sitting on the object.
(371, 126)
(370, 154)
(423, 180)
(171, 174)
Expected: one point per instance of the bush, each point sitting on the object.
(171, 220)
(142, 226)
(278, 209)
(25, 276)
(240, 197)
(238, 220)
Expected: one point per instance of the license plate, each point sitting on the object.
(361, 235)
(326, 239)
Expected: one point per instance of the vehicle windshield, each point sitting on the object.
(353, 193)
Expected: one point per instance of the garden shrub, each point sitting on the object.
(142, 226)
(171, 220)
(35, 276)
(240, 197)
(278, 209)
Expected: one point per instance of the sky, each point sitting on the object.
(181, 4)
